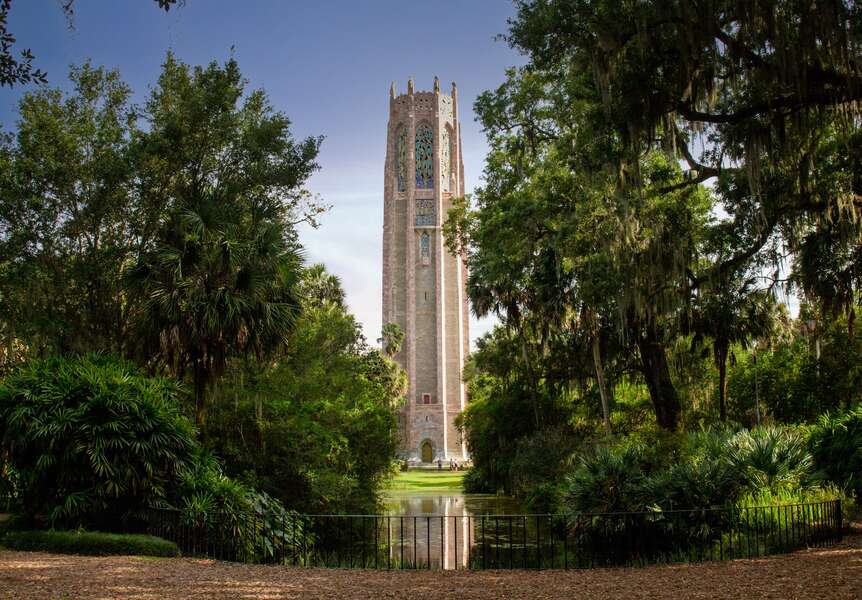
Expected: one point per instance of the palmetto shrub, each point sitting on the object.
(669, 506)
(92, 441)
(608, 479)
(772, 458)
(836, 444)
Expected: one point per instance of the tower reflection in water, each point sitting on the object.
(438, 531)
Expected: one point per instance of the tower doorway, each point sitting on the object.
(427, 451)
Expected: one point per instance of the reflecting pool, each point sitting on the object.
(429, 529)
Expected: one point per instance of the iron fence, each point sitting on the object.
(536, 541)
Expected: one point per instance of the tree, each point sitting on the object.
(315, 426)
(317, 287)
(219, 279)
(731, 312)
(391, 339)
(68, 218)
(20, 70)
(761, 98)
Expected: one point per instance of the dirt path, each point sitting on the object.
(822, 574)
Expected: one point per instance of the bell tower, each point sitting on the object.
(424, 285)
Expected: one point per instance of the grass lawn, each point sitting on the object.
(426, 481)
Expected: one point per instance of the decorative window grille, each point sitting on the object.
(425, 248)
(424, 157)
(445, 160)
(425, 213)
(401, 158)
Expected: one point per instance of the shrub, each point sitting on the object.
(476, 481)
(608, 479)
(92, 543)
(700, 470)
(700, 482)
(836, 444)
(220, 508)
(771, 458)
(92, 442)
(539, 465)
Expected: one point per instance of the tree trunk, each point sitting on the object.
(200, 396)
(531, 378)
(600, 380)
(721, 349)
(663, 394)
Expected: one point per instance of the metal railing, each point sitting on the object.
(536, 541)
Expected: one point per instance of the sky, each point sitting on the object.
(327, 64)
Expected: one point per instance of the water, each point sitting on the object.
(440, 529)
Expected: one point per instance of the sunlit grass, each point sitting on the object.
(427, 481)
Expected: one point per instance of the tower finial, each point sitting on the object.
(436, 85)
(454, 89)
(392, 91)
(410, 86)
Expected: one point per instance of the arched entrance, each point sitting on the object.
(426, 451)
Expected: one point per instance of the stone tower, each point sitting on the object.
(424, 288)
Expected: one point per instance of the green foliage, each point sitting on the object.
(771, 458)
(218, 279)
(836, 444)
(91, 441)
(91, 543)
(615, 271)
(164, 233)
(606, 480)
(68, 217)
(793, 385)
(317, 427)
(392, 336)
(219, 508)
(509, 403)
(701, 470)
(538, 466)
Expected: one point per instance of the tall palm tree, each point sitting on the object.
(730, 311)
(219, 284)
(317, 287)
(222, 171)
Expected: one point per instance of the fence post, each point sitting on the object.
(484, 544)
(839, 518)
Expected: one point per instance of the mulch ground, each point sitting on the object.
(811, 574)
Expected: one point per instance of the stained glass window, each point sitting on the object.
(401, 158)
(425, 212)
(425, 248)
(424, 157)
(444, 160)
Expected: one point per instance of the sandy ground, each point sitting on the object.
(811, 574)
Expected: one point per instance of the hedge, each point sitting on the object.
(91, 543)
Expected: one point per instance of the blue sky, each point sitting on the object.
(326, 64)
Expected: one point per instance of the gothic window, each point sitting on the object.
(425, 212)
(401, 158)
(424, 157)
(445, 160)
(425, 248)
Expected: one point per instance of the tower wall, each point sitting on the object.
(423, 283)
